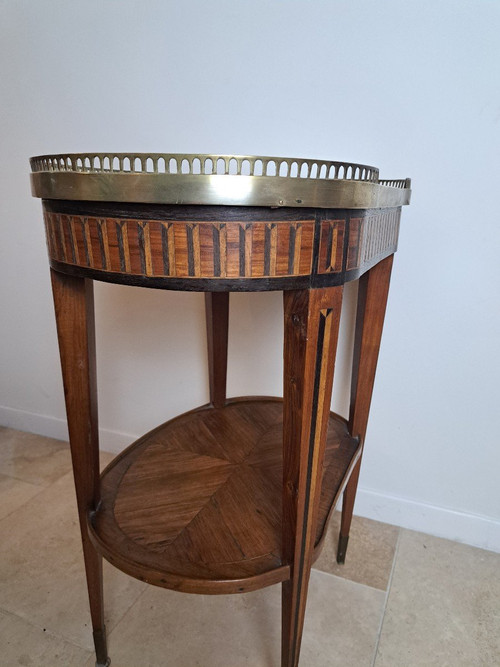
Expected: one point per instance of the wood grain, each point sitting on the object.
(237, 494)
(217, 318)
(324, 248)
(372, 301)
(74, 309)
(196, 504)
(311, 330)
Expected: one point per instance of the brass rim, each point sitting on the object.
(213, 180)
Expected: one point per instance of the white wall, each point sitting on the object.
(409, 87)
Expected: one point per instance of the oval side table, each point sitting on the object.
(234, 495)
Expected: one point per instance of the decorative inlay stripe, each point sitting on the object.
(121, 250)
(171, 249)
(267, 249)
(49, 234)
(147, 250)
(296, 251)
(354, 243)
(234, 249)
(272, 249)
(87, 243)
(216, 249)
(61, 239)
(248, 249)
(74, 245)
(164, 248)
(196, 250)
(190, 249)
(291, 248)
(321, 363)
(242, 230)
(223, 249)
(102, 229)
(331, 246)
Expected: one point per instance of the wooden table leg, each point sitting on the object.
(311, 332)
(372, 302)
(74, 308)
(217, 316)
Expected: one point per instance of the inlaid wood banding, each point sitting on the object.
(318, 249)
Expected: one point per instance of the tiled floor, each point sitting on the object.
(402, 599)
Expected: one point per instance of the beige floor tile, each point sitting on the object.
(443, 607)
(169, 629)
(33, 458)
(41, 567)
(14, 493)
(29, 646)
(370, 553)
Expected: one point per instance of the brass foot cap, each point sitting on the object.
(342, 548)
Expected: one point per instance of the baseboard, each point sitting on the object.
(478, 531)
(53, 427)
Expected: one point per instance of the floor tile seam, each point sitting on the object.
(47, 631)
(350, 581)
(31, 483)
(111, 628)
(25, 502)
(386, 599)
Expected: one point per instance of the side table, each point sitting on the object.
(234, 495)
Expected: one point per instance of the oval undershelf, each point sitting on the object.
(195, 505)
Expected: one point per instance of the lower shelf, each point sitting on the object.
(195, 505)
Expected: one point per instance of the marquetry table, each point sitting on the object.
(234, 495)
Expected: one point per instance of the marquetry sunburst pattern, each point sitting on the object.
(200, 497)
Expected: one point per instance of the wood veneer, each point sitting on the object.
(74, 309)
(195, 505)
(217, 248)
(235, 495)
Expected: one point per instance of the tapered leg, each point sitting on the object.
(372, 302)
(311, 332)
(217, 315)
(74, 308)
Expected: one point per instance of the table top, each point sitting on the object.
(203, 179)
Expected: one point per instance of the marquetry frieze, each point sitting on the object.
(333, 243)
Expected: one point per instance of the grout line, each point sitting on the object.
(19, 507)
(351, 581)
(40, 488)
(24, 481)
(389, 585)
(42, 484)
(125, 613)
